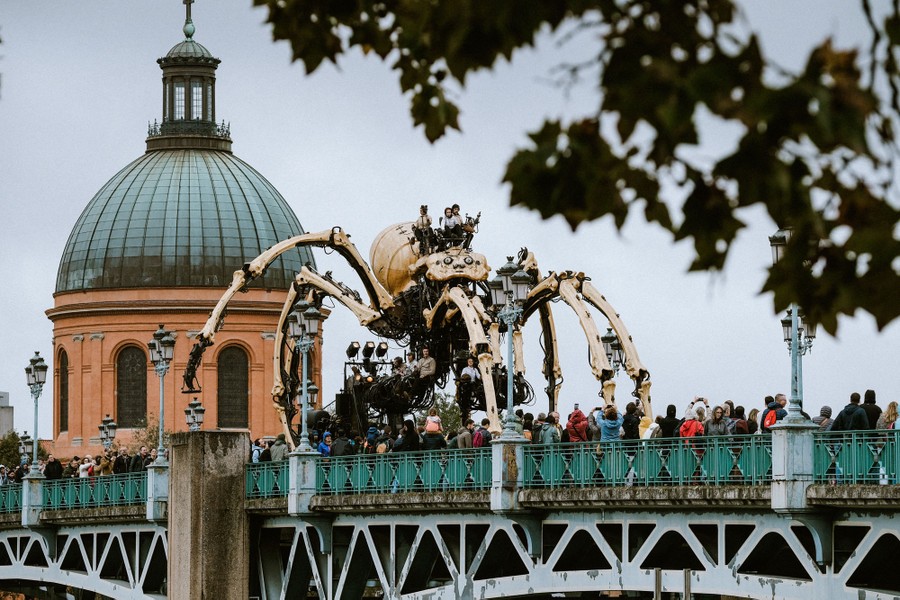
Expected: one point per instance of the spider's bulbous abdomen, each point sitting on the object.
(392, 254)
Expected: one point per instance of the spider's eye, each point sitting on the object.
(448, 260)
(469, 260)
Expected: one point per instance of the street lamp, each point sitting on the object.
(162, 349)
(36, 375)
(793, 329)
(509, 290)
(107, 429)
(193, 415)
(303, 326)
(613, 349)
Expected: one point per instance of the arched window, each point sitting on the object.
(63, 366)
(131, 387)
(234, 377)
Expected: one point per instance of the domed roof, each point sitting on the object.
(189, 49)
(180, 218)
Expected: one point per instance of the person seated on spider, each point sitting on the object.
(425, 370)
(422, 230)
(453, 225)
(470, 379)
(398, 369)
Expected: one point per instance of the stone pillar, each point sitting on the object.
(209, 546)
(302, 486)
(508, 461)
(32, 498)
(792, 465)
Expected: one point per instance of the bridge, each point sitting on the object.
(795, 515)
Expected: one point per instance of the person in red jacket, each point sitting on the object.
(693, 424)
(577, 427)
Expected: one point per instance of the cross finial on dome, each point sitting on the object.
(188, 28)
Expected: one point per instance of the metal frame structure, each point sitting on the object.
(118, 561)
(463, 555)
(437, 302)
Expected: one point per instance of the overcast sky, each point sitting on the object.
(80, 83)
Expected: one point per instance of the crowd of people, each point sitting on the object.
(603, 424)
(110, 462)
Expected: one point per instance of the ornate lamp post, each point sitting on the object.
(509, 290)
(613, 349)
(303, 327)
(193, 415)
(162, 349)
(107, 429)
(36, 375)
(793, 326)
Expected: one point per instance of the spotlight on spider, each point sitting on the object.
(382, 350)
(352, 349)
(368, 349)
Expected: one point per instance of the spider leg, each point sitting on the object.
(335, 238)
(633, 365)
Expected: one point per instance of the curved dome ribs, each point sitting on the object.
(180, 218)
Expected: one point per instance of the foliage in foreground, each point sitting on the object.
(818, 147)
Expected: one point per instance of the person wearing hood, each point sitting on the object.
(325, 444)
(852, 418)
(670, 423)
(577, 426)
(824, 420)
(610, 422)
(873, 411)
(631, 422)
(279, 448)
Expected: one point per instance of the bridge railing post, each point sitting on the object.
(302, 486)
(157, 491)
(32, 498)
(507, 468)
(793, 459)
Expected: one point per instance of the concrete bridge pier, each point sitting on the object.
(208, 527)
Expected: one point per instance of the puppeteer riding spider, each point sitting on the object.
(428, 288)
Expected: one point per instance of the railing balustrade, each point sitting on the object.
(90, 492)
(11, 498)
(428, 471)
(267, 479)
(715, 460)
(858, 457)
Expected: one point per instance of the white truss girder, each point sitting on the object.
(117, 561)
(464, 555)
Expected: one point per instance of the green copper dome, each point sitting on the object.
(188, 213)
(182, 218)
(188, 49)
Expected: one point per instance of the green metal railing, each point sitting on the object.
(90, 492)
(11, 498)
(266, 479)
(862, 457)
(432, 470)
(741, 460)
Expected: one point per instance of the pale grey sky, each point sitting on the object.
(80, 83)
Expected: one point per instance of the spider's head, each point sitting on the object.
(457, 262)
